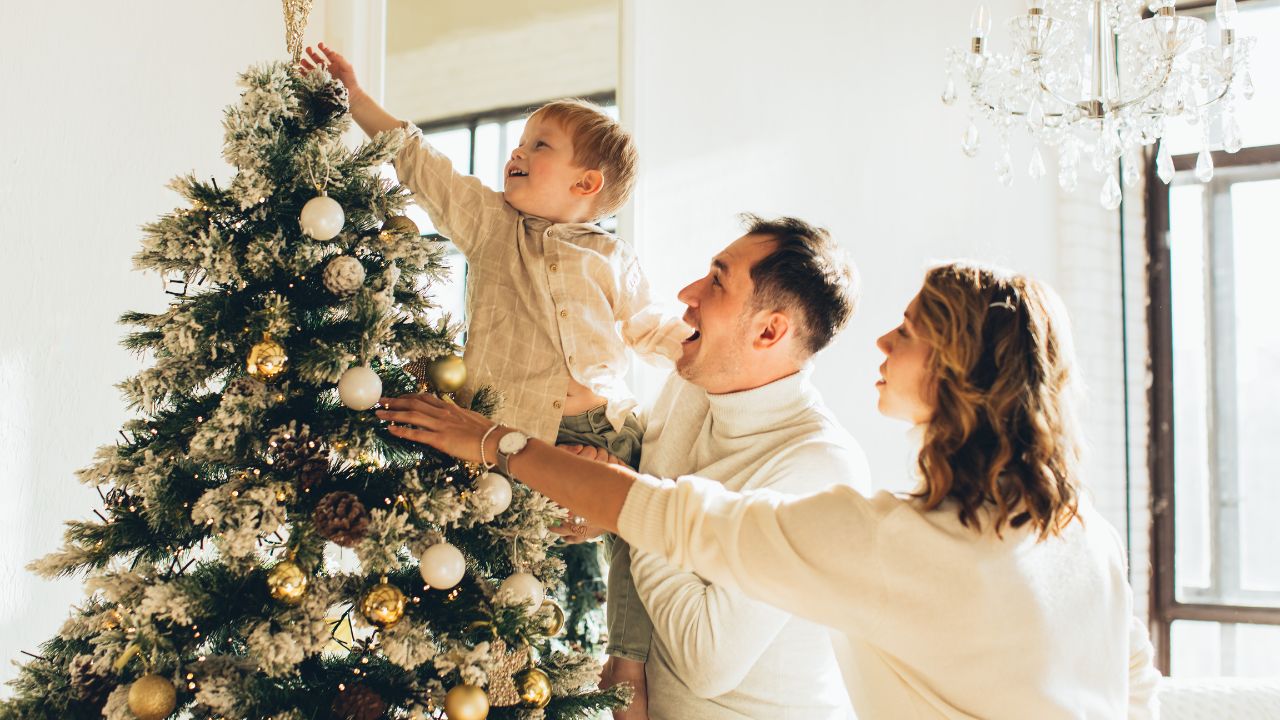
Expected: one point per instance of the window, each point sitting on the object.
(480, 145)
(1215, 395)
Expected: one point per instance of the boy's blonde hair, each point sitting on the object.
(599, 143)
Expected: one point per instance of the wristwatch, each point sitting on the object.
(508, 445)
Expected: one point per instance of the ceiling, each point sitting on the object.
(412, 24)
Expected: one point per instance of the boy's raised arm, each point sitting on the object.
(367, 113)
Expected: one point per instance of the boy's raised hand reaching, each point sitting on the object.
(367, 113)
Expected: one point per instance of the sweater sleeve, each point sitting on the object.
(813, 556)
(705, 624)
(1143, 676)
(654, 334)
(462, 208)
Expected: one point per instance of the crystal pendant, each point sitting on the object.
(1068, 178)
(1111, 194)
(1036, 168)
(969, 143)
(949, 92)
(1164, 163)
(1035, 116)
(1204, 166)
(1246, 86)
(1131, 173)
(1231, 134)
(1004, 168)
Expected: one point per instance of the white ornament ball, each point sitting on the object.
(522, 589)
(442, 566)
(496, 491)
(322, 218)
(360, 388)
(343, 275)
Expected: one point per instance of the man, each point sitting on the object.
(742, 411)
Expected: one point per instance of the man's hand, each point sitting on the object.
(338, 66)
(620, 670)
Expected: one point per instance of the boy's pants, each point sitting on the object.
(630, 630)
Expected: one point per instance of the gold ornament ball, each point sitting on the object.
(267, 360)
(383, 606)
(534, 687)
(552, 616)
(447, 374)
(287, 582)
(399, 225)
(152, 697)
(466, 702)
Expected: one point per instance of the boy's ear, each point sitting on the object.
(591, 183)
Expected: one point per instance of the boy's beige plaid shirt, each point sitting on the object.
(546, 301)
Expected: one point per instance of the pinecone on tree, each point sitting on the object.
(342, 518)
(312, 473)
(89, 686)
(292, 448)
(358, 703)
(328, 102)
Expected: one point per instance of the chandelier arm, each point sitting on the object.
(1156, 87)
(1051, 92)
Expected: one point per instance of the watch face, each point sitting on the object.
(512, 442)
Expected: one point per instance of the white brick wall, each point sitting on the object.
(1088, 279)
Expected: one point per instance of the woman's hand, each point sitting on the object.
(426, 419)
(339, 67)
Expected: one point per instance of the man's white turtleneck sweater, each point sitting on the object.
(718, 655)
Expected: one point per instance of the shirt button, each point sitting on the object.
(570, 359)
(564, 313)
(557, 404)
(554, 267)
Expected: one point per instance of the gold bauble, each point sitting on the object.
(466, 702)
(398, 225)
(552, 617)
(267, 360)
(383, 606)
(287, 582)
(447, 374)
(152, 697)
(534, 687)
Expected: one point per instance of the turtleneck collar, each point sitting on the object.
(749, 412)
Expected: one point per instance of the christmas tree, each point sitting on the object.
(266, 549)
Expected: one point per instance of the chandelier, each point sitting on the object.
(1095, 79)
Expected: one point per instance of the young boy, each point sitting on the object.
(545, 292)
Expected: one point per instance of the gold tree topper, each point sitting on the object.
(295, 24)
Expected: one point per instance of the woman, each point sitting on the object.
(993, 591)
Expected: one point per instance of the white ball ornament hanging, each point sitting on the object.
(344, 275)
(496, 491)
(360, 388)
(442, 566)
(522, 589)
(322, 218)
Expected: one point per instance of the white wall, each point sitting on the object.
(828, 110)
(104, 103)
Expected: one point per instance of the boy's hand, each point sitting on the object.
(620, 670)
(339, 67)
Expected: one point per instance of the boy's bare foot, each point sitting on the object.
(620, 670)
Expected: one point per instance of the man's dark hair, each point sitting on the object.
(806, 273)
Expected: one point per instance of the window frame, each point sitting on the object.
(1164, 606)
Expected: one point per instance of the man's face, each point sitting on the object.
(719, 310)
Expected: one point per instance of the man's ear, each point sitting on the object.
(773, 329)
(590, 184)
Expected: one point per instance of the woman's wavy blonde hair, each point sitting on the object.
(1003, 434)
